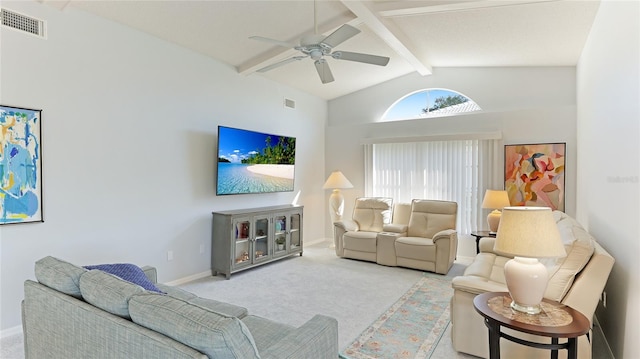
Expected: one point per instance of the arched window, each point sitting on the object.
(429, 103)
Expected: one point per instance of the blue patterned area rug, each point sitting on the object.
(410, 328)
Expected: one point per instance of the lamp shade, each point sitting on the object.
(337, 180)
(495, 199)
(529, 232)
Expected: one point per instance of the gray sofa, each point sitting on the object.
(72, 312)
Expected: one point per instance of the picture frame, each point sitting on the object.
(534, 174)
(20, 165)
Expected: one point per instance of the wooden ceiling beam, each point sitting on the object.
(389, 33)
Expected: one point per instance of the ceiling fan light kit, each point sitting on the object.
(317, 46)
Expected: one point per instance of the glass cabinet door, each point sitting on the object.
(280, 235)
(295, 232)
(261, 239)
(242, 235)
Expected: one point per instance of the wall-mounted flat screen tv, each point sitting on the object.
(254, 162)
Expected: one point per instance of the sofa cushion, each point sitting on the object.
(210, 304)
(489, 267)
(372, 213)
(401, 214)
(129, 272)
(429, 217)
(565, 226)
(214, 334)
(563, 273)
(59, 275)
(219, 307)
(360, 241)
(176, 292)
(108, 292)
(416, 248)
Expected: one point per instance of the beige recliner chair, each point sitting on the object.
(421, 235)
(431, 241)
(356, 238)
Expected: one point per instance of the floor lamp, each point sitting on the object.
(336, 181)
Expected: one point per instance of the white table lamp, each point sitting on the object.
(336, 181)
(496, 200)
(528, 233)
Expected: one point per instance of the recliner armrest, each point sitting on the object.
(476, 285)
(347, 225)
(446, 234)
(395, 228)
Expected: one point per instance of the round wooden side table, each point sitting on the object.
(555, 321)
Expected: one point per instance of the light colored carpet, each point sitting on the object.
(293, 290)
(411, 327)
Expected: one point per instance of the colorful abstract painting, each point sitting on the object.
(20, 166)
(534, 175)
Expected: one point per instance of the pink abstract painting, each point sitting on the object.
(534, 174)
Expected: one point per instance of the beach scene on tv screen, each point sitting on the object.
(254, 162)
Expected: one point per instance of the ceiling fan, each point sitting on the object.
(317, 46)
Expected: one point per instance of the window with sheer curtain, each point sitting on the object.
(458, 170)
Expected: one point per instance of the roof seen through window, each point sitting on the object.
(429, 103)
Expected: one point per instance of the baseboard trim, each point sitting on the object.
(11, 331)
(597, 327)
(189, 278)
(317, 240)
(208, 273)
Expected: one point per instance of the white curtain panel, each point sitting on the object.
(458, 170)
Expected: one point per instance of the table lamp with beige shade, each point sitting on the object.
(336, 182)
(528, 233)
(495, 200)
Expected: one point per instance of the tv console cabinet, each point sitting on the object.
(246, 238)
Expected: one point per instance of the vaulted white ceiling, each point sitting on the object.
(416, 35)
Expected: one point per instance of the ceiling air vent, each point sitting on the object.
(17, 21)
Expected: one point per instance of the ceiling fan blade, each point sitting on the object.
(281, 63)
(323, 71)
(272, 41)
(358, 57)
(344, 33)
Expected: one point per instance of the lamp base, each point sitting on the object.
(493, 220)
(336, 205)
(529, 309)
(527, 281)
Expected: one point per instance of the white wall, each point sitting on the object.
(493, 88)
(528, 105)
(129, 128)
(608, 106)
